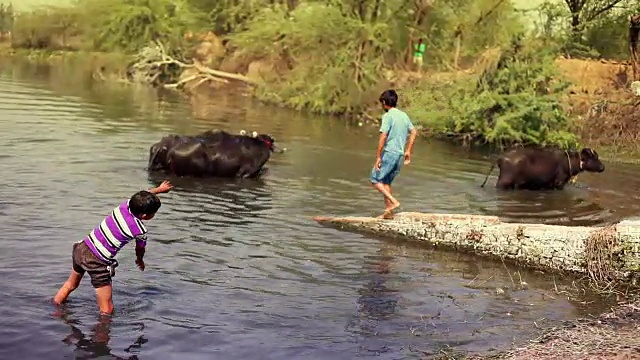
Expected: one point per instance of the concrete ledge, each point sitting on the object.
(605, 253)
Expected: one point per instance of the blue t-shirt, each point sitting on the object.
(397, 125)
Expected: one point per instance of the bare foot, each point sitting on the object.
(392, 207)
(387, 215)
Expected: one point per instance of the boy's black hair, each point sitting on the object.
(389, 98)
(144, 202)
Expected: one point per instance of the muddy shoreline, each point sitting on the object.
(612, 335)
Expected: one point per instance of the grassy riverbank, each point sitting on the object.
(490, 77)
(610, 336)
(419, 100)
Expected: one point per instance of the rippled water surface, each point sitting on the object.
(238, 269)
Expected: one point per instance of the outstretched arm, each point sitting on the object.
(141, 240)
(165, 187)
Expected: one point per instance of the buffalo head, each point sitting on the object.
(267, 139)
(590, 161)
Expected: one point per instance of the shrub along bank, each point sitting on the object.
(336, 56)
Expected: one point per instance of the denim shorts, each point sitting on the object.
(389, 168)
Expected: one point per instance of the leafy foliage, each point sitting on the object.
(105, 25)
(516, 100)
(228, 16)
(608, 34)
(47, 28)
(6, 18)
(587, 28)
(335, 56)
(319, 80)
(129, 25)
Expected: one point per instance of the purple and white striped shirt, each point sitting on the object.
(115, 231)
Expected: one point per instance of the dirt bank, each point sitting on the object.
(603, 104)
(610, 336)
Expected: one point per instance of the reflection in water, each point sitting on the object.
(551, 207)
(377, 302)
(239, 198)
(97, 344)
(237, 269)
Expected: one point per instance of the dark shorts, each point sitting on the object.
(99, 270)
(389, 169)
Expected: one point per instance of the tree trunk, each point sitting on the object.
(458, 45)
(375, 11)
(292, 4)
(634, 30)
(576, 32)
(566, 248)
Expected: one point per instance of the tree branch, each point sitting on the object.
(597, 12)
(152, 63)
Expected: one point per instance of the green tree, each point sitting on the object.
(333, 59)
(517, 99)
(335, 56)
(609, 34)
(129, 25)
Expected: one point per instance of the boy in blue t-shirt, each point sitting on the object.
(391, 153)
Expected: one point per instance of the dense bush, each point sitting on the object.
(316, 78)
(517, 99)
(48, 28)
(105, 25)
(129, 25)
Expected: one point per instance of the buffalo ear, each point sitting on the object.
(254, 134)
(243, 133)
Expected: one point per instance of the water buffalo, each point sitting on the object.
(543, 168)
(213, 153)
(158, 152)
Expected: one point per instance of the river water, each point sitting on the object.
(238, 269)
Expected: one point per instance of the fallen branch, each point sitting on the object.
(222, 74)
(154, 66)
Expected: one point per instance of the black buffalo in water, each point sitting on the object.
(213, 153)
(543, 168)
(159, 151)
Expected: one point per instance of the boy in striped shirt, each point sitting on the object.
(96, 253)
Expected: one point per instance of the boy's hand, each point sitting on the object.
(378, 163)
(140, 264)
(407, 158)
(164, 187)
